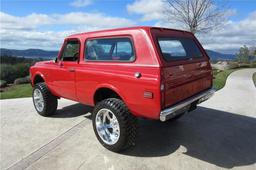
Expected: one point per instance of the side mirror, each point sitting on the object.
(56, 60)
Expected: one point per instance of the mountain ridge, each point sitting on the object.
(40, 53)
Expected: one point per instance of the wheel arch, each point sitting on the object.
(37, 78)
(106, 91)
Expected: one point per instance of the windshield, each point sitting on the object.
(178, 48)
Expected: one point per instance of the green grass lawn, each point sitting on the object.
(254, 78)
(221, 77)
(17, 91)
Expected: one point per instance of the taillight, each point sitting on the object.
(162, 91)
(162, 87)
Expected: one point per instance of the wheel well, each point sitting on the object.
(38, 79)
(104, 93)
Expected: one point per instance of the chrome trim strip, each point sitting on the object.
(164, 114)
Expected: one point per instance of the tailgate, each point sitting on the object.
(184, 81)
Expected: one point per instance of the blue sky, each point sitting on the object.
(34, 20)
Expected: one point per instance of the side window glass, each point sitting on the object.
(122, 51)
(71, 51)
(109, 49)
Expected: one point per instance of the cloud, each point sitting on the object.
(232, 35)
(149, 9)
(73, 18)
(92, 19)
(31, 31)
(47, 31)
(228, 38)
(81, 3)
(32, 39)
(23, 23)
(153, 10)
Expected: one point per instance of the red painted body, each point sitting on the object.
(80, 80)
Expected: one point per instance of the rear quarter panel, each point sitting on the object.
(121, 80)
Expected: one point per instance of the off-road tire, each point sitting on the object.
(126, 120)
(50, 101)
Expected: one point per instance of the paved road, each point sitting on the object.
(238, 96)
(221, 133)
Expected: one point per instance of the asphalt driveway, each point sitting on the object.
(221, 133)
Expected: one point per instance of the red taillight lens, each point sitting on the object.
(162, 87)
(162, 91)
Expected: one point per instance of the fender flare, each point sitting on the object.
(37, 74)
(111, 87)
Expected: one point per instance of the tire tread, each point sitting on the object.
(128, 122)
(51, 102)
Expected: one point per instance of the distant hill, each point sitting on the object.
(38, 53)
(215, 56)
(29, 53)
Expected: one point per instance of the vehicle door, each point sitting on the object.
(68, 60)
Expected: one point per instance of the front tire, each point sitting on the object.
(114, 125)
(44, 102)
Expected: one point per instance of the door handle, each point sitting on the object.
(137, 75)
(71, 70)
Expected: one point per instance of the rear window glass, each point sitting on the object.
(179, 48)
(110, 49)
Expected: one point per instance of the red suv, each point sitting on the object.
(149, 72)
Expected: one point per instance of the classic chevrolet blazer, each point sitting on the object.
(126, 73)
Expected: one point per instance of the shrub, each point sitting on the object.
(7, 73)
(3, 83)
(11, 72)
(233, 65)
(6, 59)
(253, 64)
(22, 80)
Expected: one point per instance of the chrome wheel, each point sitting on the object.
(107, 126)
(38, 100)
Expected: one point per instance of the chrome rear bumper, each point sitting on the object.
(185, 105)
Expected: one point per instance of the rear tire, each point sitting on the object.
(44, 102)
(117, 133)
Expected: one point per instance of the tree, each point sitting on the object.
(252, 51)
(196, 15)
(243, 55)
(252, 54)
